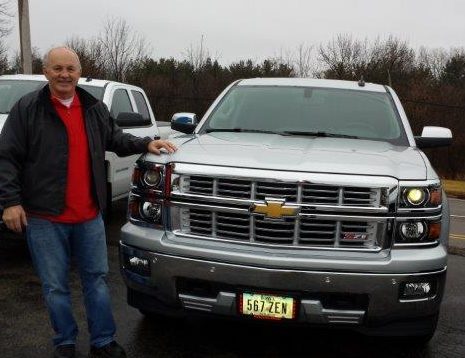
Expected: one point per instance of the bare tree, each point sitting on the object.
(301, 60)
(197, 55)
(436, 59)
(285, 57)
(344, 57)
(121, 47)
(5, 16)
(4, 31)
(3, 58)
(91, 56)
(391, 57)
(304, 65)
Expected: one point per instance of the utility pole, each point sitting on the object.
(25, 36)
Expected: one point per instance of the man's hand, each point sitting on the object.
(14, 218)
(155, 146)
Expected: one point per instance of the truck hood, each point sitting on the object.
(306, 154)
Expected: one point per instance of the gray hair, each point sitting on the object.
(47, 55)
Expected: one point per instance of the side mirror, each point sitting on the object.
(184, 122)
(131, 119)
(432, 137)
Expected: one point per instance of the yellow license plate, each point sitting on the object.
(267, 306)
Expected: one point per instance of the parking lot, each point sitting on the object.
(25, 330)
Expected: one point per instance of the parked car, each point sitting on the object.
(128, 104)
(296, 200)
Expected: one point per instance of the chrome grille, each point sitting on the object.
(274, 231)
(312, 194)
(233, 226)
(286, 191)
(200, 185)
(234, 188)
(359, 196)
(200, 222)
(316, 232)
(301, 231)
(332, 216)
(320, 194)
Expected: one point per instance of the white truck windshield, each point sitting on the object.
(309, 111)
(12, 90)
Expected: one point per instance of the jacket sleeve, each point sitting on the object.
(123, 144)
(13, 153)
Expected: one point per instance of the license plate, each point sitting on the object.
(267, 306)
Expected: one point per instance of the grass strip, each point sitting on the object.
(454, 188)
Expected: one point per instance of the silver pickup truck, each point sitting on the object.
(296, 200)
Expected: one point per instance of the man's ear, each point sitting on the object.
(45, 72)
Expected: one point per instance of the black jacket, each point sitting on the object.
(34, 152)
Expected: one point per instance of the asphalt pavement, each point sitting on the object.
(457, 226)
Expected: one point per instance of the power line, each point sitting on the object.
(433, 104)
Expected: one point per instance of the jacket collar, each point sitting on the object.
(87, 100)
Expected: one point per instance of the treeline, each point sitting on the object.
(430, 82)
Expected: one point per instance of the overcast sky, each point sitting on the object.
(242, 29)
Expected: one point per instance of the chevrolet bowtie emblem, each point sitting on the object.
(274, 208)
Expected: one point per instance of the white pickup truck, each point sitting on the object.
(119, 97)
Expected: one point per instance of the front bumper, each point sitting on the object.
(182, 284)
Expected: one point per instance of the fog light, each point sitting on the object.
(417, 290)
(137, 264)
(412, 230)
(151, 211)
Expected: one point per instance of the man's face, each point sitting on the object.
(62, 72)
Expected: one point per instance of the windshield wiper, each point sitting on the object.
(243, 130)
(321, 134)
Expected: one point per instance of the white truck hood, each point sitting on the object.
(294, 153)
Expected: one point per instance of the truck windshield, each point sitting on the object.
(95, 91)
(12, 90)
(306, 111)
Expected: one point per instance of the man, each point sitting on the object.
(52, 183)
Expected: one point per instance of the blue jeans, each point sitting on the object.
(52, 245)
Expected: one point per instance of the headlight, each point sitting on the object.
(420, 197)
(150, 191)
(416, 196)
(412, 231)
(152, 177)
(148, 176)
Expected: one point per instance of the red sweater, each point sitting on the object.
(80, 204)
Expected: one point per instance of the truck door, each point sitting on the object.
(120, 168)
